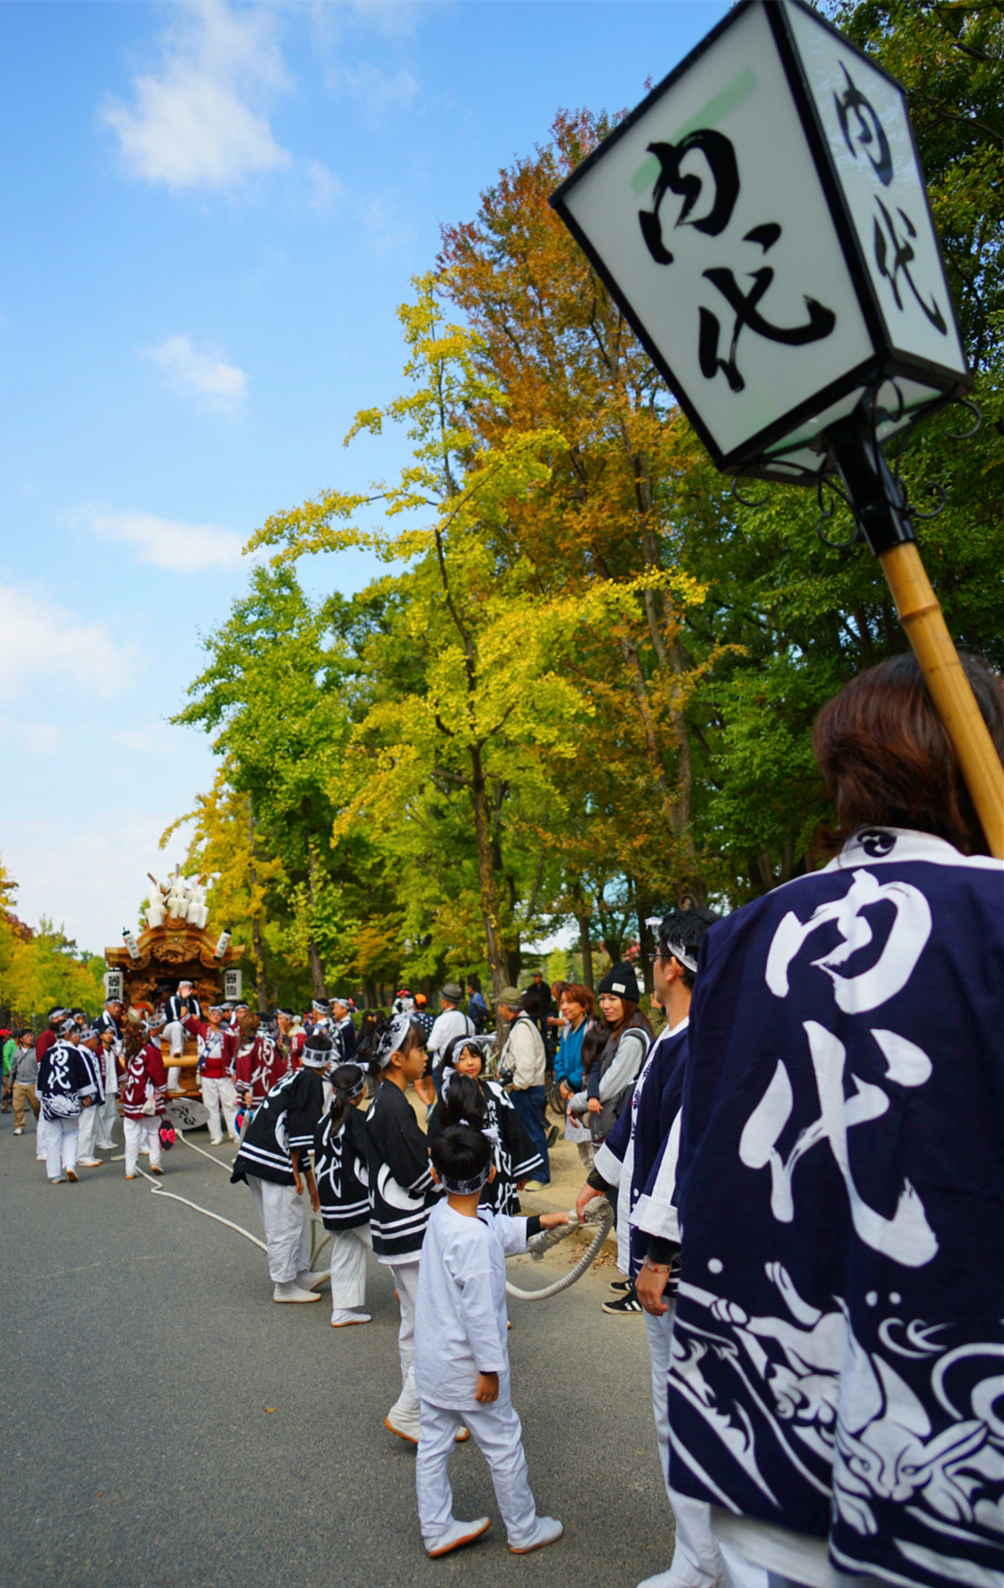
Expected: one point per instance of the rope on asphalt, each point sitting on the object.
(599, 1209)
(174, 1197)
(182, 1137)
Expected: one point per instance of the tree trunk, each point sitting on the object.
(256, 936)
(370, 995)
(586, 948)
(646, 944)
(313, 955)
(486, 876)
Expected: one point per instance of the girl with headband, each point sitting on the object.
(468, 1098)
(402, 1194)
(341, 1176)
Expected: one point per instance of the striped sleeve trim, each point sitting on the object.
(527, 1167)
(273, 1160)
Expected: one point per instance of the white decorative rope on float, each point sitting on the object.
(598, 1212)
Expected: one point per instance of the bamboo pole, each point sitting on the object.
(921, 615)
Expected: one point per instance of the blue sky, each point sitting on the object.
(211, 213)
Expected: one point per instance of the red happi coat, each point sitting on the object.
(144, 1076)
(257, 1067)
(216, 1048)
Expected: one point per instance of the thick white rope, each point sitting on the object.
(173, 1196)
(599, 1209)
(180, 1134)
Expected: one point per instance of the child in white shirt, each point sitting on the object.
(461, 1350)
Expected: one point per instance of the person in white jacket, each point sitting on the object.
(461, 1350)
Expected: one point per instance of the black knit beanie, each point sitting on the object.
(622, 982)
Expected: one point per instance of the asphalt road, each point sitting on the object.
(164, 1425)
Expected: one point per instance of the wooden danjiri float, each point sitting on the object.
(175, 945)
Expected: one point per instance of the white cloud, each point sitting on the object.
(91, 878)
(164, 543)
(222, 385)
(157, 739)
(198, 121)
(325, 186)
(376, 89)
(44, 642)
(30, 738)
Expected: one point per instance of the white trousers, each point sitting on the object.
(141, 1134)
(106, 1117)
(284, 1217)
(60, 1146)
(174, 1031)
(699, 1560)
(216, 1095)
(497, 1433)
(88, 1123)
(406, 1283)
(41, 1132)
(348, 1266)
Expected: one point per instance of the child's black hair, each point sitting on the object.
(457, 1046)
(344, 1080)
(463, 1099)
(460, 1155)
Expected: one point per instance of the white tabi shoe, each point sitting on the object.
(289, 1290)
(404, 1426)
(456, 1536)
(90, 1163)
(312, 1278)
(105, 1146)
(341, 1317)
(547, 1531)
(216, 1141)
(19, 1130)
(60, 1181)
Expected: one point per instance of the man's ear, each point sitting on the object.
(491, 1174)
(433, 1173)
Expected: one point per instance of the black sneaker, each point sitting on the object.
(552, 1135)
(628, 1303)
(622, 1284)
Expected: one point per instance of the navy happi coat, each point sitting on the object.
(64, 1079)
(838, 1341)
(341, 1172)
(634, 1152)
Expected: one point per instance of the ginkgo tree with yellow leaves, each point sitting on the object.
(492, 701)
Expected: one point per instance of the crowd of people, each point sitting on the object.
(806, 1165)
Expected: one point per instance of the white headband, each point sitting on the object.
(466, 1188)
(679, 952)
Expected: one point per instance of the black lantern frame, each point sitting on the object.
(887, 364)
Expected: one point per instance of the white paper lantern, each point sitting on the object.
(761, 218)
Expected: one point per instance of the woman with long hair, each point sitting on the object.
(609, 1082)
